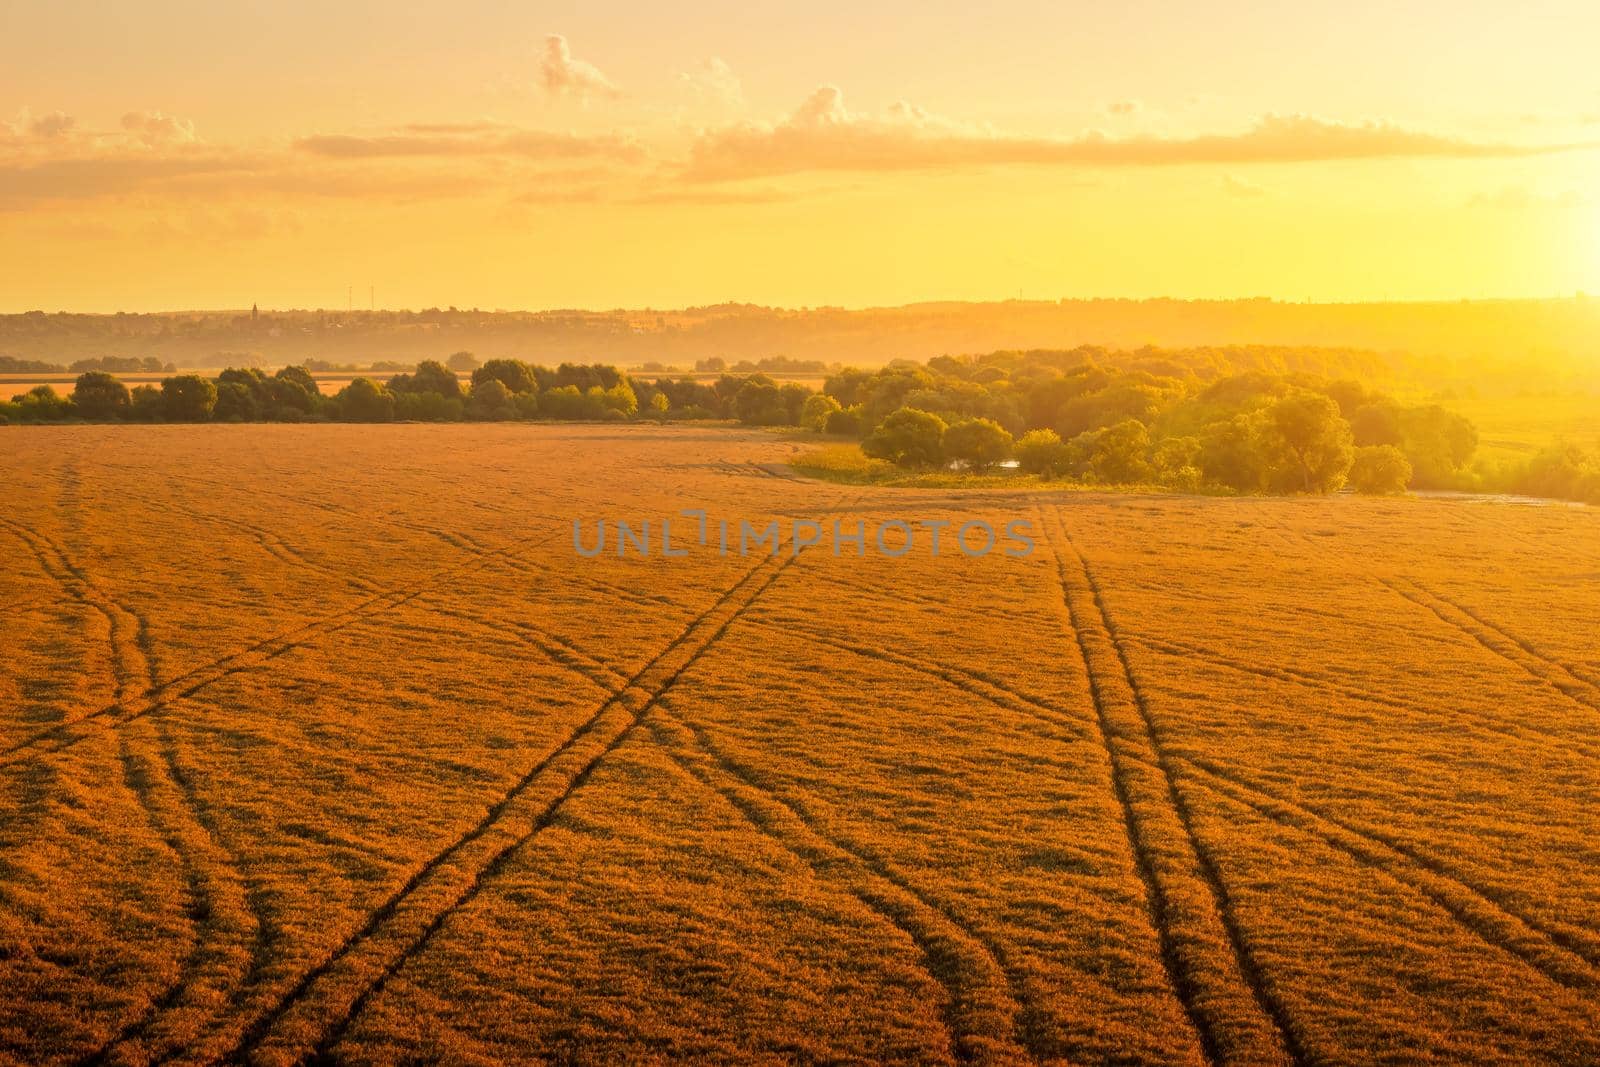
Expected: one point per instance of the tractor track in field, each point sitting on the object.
(64, 734)
(576, 660)
(1565, 956)
(1486, 914)
(990, 1020)
(1514, 650)
(603, 738)
(220, 909)
(1186, 650)
(1558, 955)
(929, 924)
(1201, 943)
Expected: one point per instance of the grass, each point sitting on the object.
(320, 740)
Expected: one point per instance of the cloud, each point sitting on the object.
(81, 179)
(564, 76)
(715, 82)
(824, 135)
(478, 139)
(156, 128)
(1123, 107)
(40, 127)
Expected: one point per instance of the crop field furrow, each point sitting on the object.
(1239, 1020)
(986, 1013)
(406, 921)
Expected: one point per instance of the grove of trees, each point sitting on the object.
(1149, 417)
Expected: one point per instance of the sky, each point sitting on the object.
(173, 155)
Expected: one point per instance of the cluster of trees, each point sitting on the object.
(1143, 418)
(1079, 415)
(764, 365)
(110, 364)
(500, 389)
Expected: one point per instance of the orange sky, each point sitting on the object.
(169, 154)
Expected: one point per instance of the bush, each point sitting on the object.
(514, 374)
(364, 400)
(1041, 452)
(846, 423)
(908, 438)
(97, 395)
(1380, 470)
(491, 401)
(1114, 455)
(147, 404)
(235, 403)
(816, 411)
(427, 407)
(978, 443)
(188, 398)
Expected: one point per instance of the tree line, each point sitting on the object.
(1147, 418)
(1082, 415)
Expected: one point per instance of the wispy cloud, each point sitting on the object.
(563, 75)
(825, 135)
(158, 128)
(474, 139)
(715, 82)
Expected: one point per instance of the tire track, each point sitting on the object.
(402, 926)
(1521, 731)
(1235, 1015)
(65, 734)
(1555, 954)
(219, 907)
(1513, 650)
(952, 946)
(983, 1013)
(1566, 956)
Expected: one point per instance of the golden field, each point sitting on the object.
(322, 743)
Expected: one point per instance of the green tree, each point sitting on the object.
(1306, 443)
(491, 401)
(364, 400)
(1229, 455)
(463, 362)
(236, 402)
(908, 438)
(1376, 423)
(814, 413)
(147, 404)
(514, 374)
(301, 376)
(979, 443)
(98, 395)
(1380, 469)
(1115, 455)
(1042, 452)
(188, 398)
(434, 377)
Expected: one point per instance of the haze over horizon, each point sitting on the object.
(619, 156)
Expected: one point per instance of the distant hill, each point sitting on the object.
(1551, 340)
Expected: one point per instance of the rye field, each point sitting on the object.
(323, 744)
